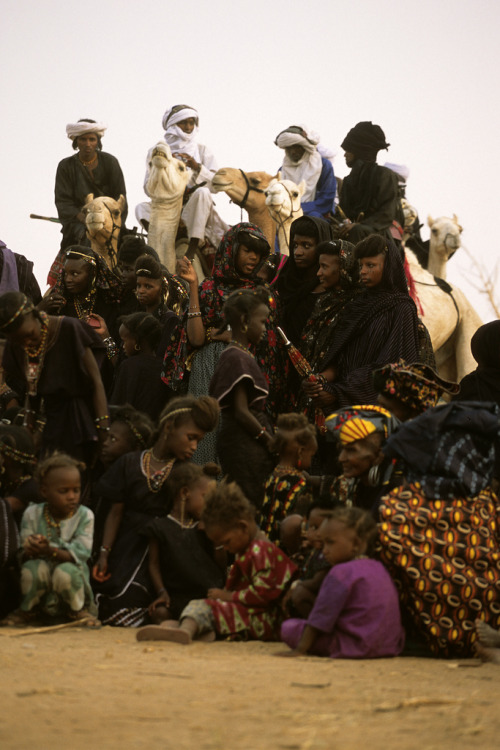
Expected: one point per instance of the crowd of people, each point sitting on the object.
(268, 454)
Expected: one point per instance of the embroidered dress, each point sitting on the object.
(285, 493)
(58, 587)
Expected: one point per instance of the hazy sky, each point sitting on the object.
(426, 71)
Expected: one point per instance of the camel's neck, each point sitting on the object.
(436, 265)
(260, 216)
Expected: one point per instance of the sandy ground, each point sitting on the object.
(79, 689)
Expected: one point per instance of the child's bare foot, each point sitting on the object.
(487, 654)
(487, 635)
(167, 631)
(19, 619)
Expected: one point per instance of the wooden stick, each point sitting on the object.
(52, 628)
(45, 218)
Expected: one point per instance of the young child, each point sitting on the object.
(182, 561)
(57, 541)
(138, 378)
(286, 491)
(356, 613)
(249, 606)
(240, 387)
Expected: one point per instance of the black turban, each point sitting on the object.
(365, 140)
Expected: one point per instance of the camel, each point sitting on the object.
(246, 189)
(103, 219)
(444, 242)
(165, 185)
(450, 319)
(283, 203)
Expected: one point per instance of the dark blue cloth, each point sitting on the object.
(325, 192)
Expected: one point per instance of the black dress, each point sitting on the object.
(138, 383)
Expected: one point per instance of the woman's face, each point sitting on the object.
(148, 291)
(187, 125)
(358, 457)
(87, 145)
(371, 270)
(329, 271)
(304, 251)
(246, 260)
(29, 332)
(128, 340)
(76, 276)
(183, 440)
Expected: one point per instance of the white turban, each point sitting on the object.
(177, 139)
(74, 129)
(309, 166)
(402, 171)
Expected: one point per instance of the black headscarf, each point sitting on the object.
(484, 383)
(294, 285)
(392, 291)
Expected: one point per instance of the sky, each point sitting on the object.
(426, 72)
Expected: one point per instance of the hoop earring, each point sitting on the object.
(244, 328)
(374, 476)
(137, 347)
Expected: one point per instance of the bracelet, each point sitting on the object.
(111, 347)
(104, 548)
(195, 307)
(161, 591)
(102, 428)
(101, 419)
(259, 435)
(194, 315)
(208, 335)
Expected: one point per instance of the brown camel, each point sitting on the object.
(246, 189)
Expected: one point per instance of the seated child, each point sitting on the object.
(182, 561)
(249, 606)
(56, 536)
(356, 614)
(286, 491)
(312, 565)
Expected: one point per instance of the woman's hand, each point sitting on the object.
(100, 569)
(163, 600)
(185, 270)
(220, 594)
(52, 303)
(102, 328)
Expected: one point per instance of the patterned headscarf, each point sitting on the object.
(357, 422)
(416, 385)
(448, 451)
(104, 279)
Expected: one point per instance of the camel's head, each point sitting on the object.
(238, 184)
(103, 215)
(283, 198)
(445, 235)
(168, 176)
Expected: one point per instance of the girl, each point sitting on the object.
(249, 606)
(182, 561)
(162, 295)
(138, 377)
(56, 536)
(18, 460)
(285, 491)
(239, 385)
(356, 613)
(136, 489)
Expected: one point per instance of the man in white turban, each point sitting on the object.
(90, 170)
(180, 124)
(304, 161)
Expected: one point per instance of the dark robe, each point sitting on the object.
(138, 383)
(74, 182)
(26, 281)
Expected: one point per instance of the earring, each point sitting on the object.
(137, 347)
(244, 328)
(374, 476)
(183, 510)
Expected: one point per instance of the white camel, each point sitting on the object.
(283, 203)
(445, 240)
(450, 319)
(246, 189)
(165, 184)
(103, 219)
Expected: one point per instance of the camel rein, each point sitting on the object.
(241, 204)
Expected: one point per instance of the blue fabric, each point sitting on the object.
(325, 192)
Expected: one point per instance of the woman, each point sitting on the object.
(483, 384)
(298, 284)
(91, 170)
(240, 256)
(439, 533)
(50, 362)
(379, 326)
(366, 474)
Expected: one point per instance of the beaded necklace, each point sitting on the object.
(34, 356)
(282, 469)
(52, 523)
(241, 347)
(85, 306)
(155, 479)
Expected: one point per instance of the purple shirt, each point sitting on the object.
(357, 610)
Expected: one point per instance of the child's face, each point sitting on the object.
(148, 291)
(256, 327)
(235, 540)
(195, 500)
(128, 341)
(116, 442)
(316, 518)
(127, 271)
(183, 440)
(340, 544)
(61, 490)
(306, 454)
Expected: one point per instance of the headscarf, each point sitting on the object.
(104, 279)
(391, 292)
(416, 385)
(365, 140)
(177, 139)
(294, 285)
(484, 383)
(448, 451)
(309, 166)
(357, 422)
(74, 129)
